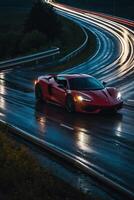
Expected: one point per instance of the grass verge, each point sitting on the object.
(21, 176)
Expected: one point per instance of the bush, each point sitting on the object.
(41, 29)
(44, 19)
(9, 44)
(33, 41)
(13, 44)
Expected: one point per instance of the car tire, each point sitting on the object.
(70, 105)
(38, 92)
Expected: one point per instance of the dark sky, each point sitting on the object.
(14, 2)
(124, 8)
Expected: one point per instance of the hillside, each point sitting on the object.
(13, 13)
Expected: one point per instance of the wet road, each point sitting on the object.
(103, 142)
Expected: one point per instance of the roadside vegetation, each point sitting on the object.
(37, 31)
(32, 26)
(22, 178)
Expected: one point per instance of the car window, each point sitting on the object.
(85, 83)
(62, 82)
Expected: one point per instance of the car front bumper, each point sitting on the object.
(88, 108)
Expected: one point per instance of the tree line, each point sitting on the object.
(40, 29)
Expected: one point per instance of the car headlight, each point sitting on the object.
(82, 98)
(119, 95)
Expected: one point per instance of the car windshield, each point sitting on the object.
(85, 83)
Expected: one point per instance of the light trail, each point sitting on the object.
(113, 71)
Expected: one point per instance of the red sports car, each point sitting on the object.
(77, 92)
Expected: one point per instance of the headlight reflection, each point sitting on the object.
(83, 141)
(2, 91)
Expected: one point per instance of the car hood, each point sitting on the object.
(99, 97)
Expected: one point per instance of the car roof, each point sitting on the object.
(70, 76)
(63, 76)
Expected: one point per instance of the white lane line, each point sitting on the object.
(66, 126)
(130, 100)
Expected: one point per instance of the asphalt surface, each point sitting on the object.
(104, 142)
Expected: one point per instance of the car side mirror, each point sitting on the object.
(61, 86)
(104, 83)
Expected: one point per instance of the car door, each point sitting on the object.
(59, 92)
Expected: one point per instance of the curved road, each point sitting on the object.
(103, 142)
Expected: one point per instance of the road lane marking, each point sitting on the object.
(67, 127)
(130, 100)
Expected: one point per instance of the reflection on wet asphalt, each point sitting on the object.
(103, 142)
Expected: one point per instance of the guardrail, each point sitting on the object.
(78, 50)
(29, 58)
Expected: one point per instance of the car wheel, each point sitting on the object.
(70, 105)
(38, 92)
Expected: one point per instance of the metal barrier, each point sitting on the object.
(33, 57)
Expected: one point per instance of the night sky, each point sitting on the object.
(122, 8)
